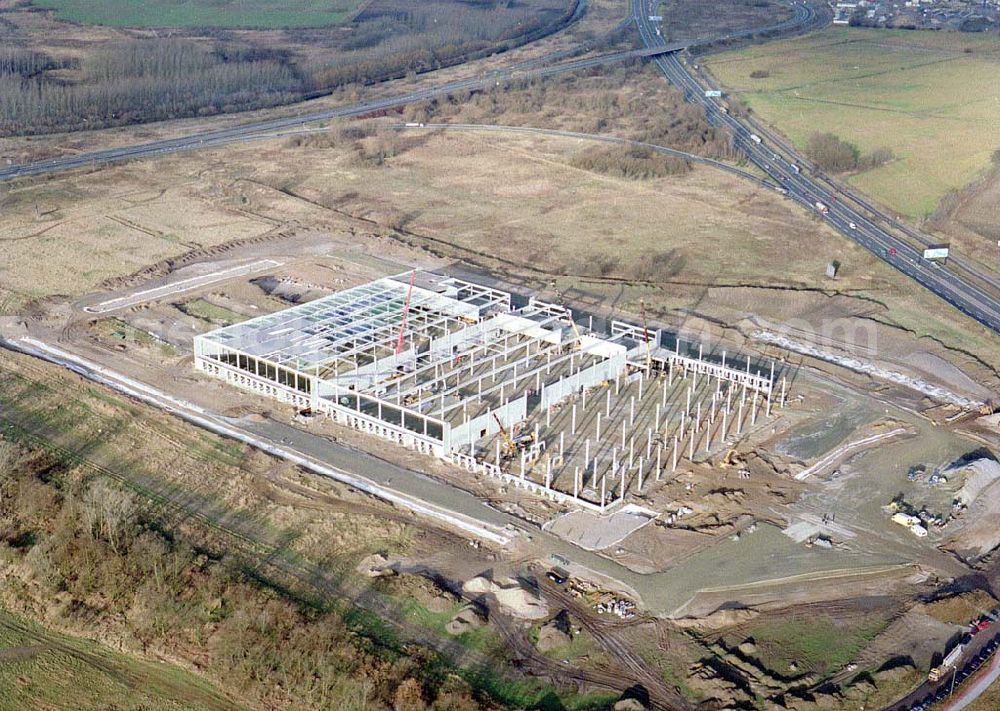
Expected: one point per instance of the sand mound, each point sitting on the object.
(718, 619)
(375, 565)
(513, 598)
(979, 475)
(466, 619)
(551, 637)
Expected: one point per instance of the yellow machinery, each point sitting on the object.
(510, 446)
(511, 443)
(729, 460)
(645, 336)
(578, 343)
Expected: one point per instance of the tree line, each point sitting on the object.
(141, 80)
(157, 78)
(833, 154)
(393, 38)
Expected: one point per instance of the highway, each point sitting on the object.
(977, 300)
(864, 204)
(974, 294)
(260, 129)
(971, 292)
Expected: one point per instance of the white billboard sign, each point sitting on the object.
(936, 253)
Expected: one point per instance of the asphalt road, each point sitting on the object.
(977, 300)
(597, 137)
(974, 294)
(260, 129)
(957, 698)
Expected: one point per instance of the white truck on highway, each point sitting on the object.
(755, 138)
(822, 209)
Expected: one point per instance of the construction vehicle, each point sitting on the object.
(730, 459)
(947, 664)
(513, 444)
(406, 312)
(645, 337)
(578, 342)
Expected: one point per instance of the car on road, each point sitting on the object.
(852, 225)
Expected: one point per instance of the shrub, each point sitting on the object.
(831, 153)
(880, 156)
(634, 162)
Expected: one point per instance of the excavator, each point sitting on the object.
(513, 445)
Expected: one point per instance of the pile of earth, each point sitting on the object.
(513, 597)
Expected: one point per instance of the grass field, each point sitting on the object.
(989, 701)
(207, 311)
(930, 97)
(42, 669)
(202, 13)
(795, 646)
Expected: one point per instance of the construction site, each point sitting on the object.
(516, 388)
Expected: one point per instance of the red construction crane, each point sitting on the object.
(406, 312)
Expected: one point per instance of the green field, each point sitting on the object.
(207, 311)
(202, 13)
(818, 645)
(41, 669)
(933, 98)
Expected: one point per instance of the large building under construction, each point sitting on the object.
(517, 390)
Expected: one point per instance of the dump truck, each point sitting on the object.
(947, 664)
